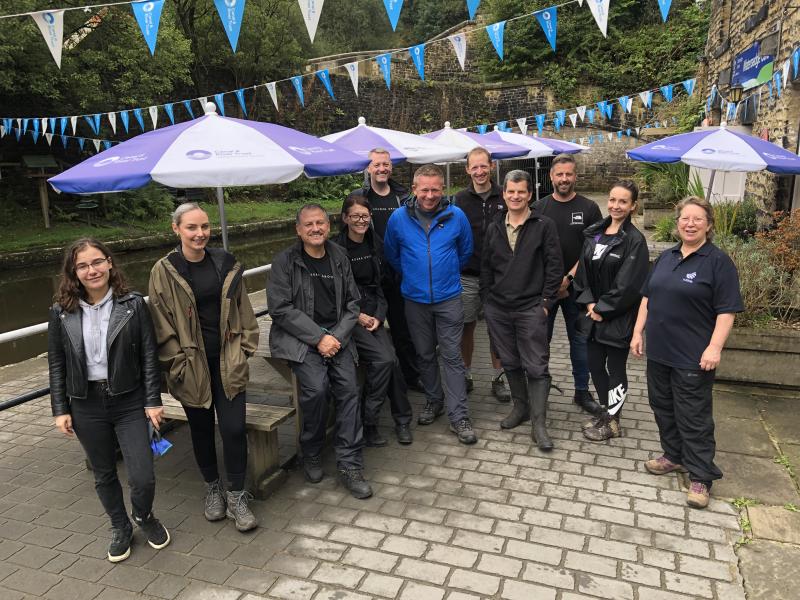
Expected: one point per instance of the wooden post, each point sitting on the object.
(44, 199)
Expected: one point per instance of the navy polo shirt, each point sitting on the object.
(685, 295)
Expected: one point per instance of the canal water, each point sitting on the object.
(27, 293)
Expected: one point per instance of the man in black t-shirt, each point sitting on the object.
(313, 301)
(572, 213)
(385, 196)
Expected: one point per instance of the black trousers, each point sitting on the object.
(99, 421)
(315, 375)
(520, 339)
(232, 429)
(384, 376)
(607, 364)
(398, 328)
(682, 404)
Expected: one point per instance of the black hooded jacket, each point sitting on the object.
(480, 213)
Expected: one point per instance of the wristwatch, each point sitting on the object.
(570, 277)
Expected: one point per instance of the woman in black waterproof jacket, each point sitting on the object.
(105, 385)
(612, 268)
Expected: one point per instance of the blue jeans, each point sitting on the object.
(577, 343)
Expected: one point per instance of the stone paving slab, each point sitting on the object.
(499, 519)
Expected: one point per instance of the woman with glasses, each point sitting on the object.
(373, 343)
(690, 300)
(105, 385)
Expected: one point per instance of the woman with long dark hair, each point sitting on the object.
(206, 331)
(105, 384)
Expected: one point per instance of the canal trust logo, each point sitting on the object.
(689, 277)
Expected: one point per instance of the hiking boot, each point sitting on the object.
(584, 399)
(403, 431)
(157, 534)
(120, 547)
(520, 412)
(606, 428)
(430, 412)
(215, 501)
(662, 465)
(353, 480)
(500, 388)
(463, 429)
(470, 383)
(239, 510)
(312, 466)
(593, 422)
(698, 495)
(373, 437)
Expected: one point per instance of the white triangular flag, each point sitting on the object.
(637, 130)
(203, 100)
(785, 70)
(74, 122)
(646, 97)
(19, 125)
(664, 124)
(599, 10)
(610, 136)
(273, 93)
(522, 123)
(580, 2)
(352, 70)
(2, 131)
(51, 24)
(44, 125)
(311, 10)
(629, 105)
(581, 141)
(581, 111)
(459, 42)
(49, 138)
(153, 110)
(112, 118)
(96, 145)
(573, 118)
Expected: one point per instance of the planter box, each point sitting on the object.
(762, 356)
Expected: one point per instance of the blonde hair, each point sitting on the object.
(183, 209)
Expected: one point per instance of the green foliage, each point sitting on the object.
(665, 230)
(668, 182)
(735, 218)
(328, 189)
(743, 502)
(150, 203)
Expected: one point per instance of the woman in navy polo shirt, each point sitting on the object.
(688, 309)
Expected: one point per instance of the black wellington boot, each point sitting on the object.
(538, 392)
(519, 394)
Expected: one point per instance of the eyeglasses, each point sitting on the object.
(98, 264)
(692, 220)
(364, 218)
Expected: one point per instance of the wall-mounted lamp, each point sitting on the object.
(735, 93)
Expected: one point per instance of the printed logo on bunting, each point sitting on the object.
(273, 93)
(393, 8)
(297, 82)
(472, 7)
(418, 56)
(666, 91)
(623, 102)
(460, 46)
(311, 10)
(688, 85)
(231, 11)
(325, 77)
(51, 24)
(148, 15)
(548, 20)
(647, 98)
(664, 5)
(385, 63)
(352, 70)
(599, 10)
(495, 31)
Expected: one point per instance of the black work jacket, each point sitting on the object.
(480, 213)
(613, 282)
(131, 347)
(374, 288)
(290, 300)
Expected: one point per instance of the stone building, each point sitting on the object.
(741, 38)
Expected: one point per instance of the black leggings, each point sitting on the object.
(607, 366)
(231, 418)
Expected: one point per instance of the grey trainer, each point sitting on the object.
(215, 501)
(240, 512)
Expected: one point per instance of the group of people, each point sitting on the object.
(425, 265)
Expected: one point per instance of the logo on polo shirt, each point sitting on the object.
(689, 277)
(577, 218)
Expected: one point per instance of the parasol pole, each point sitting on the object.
(710, 184)
(223, 222)
(536, 176)
(447, 169)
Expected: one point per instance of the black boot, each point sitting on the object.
(373, 437)
(538, 391)
(519, 394)
(584, 399)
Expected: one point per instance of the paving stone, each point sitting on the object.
(637, 573)
(381, 585)
(486, 585)
(429, 531)
(427, 513)
(707, 568)
(30, 581)
(288, 588)
(550, 576)
(688, 584)
(535, 552)
(517, 590)
(347, 577)
(292, 565)
(212, 571)
(359, 537)
(206, 591)
(380, 522)
(88, 569)
(591, 563)
(33, 557)
(370, 559)
(422, 570)
(166, 586)
(449, 555)
(416, 591)
(73, 589)
(499, 565)
(338, 594)
(605, 588)
(587, 526)
(404, 545)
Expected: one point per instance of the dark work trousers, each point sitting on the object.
(398, 328)
(681, 402)
(520, 338)
(607, 365)
(315, 375)
(440, 324)
(577, 342)
(384, 376)
(232, 429)
(99, 421)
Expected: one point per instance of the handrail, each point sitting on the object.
(18, 334)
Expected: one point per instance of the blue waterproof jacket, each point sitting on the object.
(430, 263)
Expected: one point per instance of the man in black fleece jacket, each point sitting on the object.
(521, 271)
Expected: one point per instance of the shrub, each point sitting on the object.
(316, 190)
(665, 230)
(152, 202)
(783, 242)
(735, 218)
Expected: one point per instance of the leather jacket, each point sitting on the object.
(132, 354)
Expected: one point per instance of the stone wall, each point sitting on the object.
(775, 24)
(605, 164)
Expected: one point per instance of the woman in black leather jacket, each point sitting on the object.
(105, 384)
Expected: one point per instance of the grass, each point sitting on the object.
(26, 232)
(743, 502)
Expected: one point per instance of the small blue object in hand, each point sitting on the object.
(160, 446)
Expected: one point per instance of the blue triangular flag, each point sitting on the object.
(52, 122)
(623, 102)
(540, 122)
(501, 125)
(81, 142)
(619, 134)
(325, 77)
(297, 82)
(609, 110)
(666, 91)
(106, 144)
(602, 107)
(495, 31)
(137, 112)
(240, 97)
(35, 132)
(393, 8)
(628, 132)
(218, 100)
(123, 116)
(63, 140)
(778, 83)
(472, 7)
(664, 6)
(170, 112)
(18, 133)
(418, 56)
(231, 11)
(547, 19)
(796, 61)
(482, 128)
(590, 114)
(561, 115)
(688, 85)
(94, 126)
(187, 104)
(385, 63)
(25, 125)
(556, 124)
(148, 15)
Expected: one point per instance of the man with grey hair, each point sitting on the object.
(521, 272)
(313, 301)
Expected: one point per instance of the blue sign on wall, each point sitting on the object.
(751, 69)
